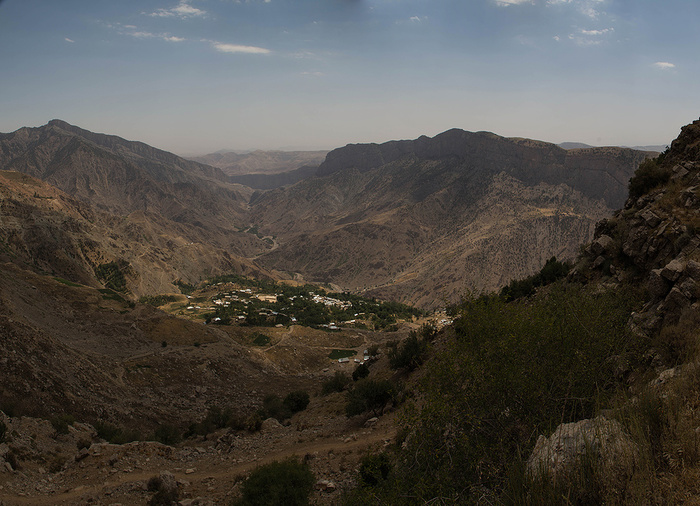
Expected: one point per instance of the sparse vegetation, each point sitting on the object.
(650, 174)
(336, 383)
(115, 435)
(510, 372)
(61, 423)
(260, 339)
(296, 401)
(288, 482)
(550, 272)
(112, 276)
(368, 395)
(3, 431)
(361, 371)
(185, 288)
(167, 434)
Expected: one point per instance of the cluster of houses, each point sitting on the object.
(365, 358)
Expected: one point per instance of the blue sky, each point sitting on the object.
(196, 76)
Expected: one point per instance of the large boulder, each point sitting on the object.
(598, 441)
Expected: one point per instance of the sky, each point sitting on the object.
(197, 76)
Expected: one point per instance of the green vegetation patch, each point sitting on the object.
(512, 371)
(260, 339)
(112, 275)
(336, 354)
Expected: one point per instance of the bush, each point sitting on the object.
(374, 468)
(216, 418)
(254, 422)
(648, 176)
(335, 384)
(361, 371)
(296, 401)
(62, 422)
(510, 372)
(115, 435)
(550, 272)
(167, 434)
(408, 354)
(273, 407)
(288, 482)
(368, 395)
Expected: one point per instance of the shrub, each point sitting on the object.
(510, 372)
(368, 395)
(374, 468)
(648, 176)
(408, 354)
(296, 401)
(115, 435)
(167, 434)
(335, 384)
(273, 407)
(254, 422)
(288, 482)
(62, 422)
(361, 371)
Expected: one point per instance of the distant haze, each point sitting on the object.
(196, 76)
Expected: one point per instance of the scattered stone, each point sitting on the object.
(270, 424)
(601, 244)
(673, 270)
(650, 219)
(371, 422)
(325, 486)
(189, 471)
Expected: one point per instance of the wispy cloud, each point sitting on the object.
(132, 31)
(236, 48)
(584, 37)
(507, 3)
(182, 10)
(69, 40)
(664, 65)
(314, 74)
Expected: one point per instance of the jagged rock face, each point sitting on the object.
(423, 221)
(655, 237)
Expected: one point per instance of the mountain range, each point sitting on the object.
(419, 221)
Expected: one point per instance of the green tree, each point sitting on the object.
(288, 482)
(368, 395)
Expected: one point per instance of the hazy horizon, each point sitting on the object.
(200, 76)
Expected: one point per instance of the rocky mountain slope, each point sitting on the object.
(422, 221)
(403, 220)
(99, 199)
